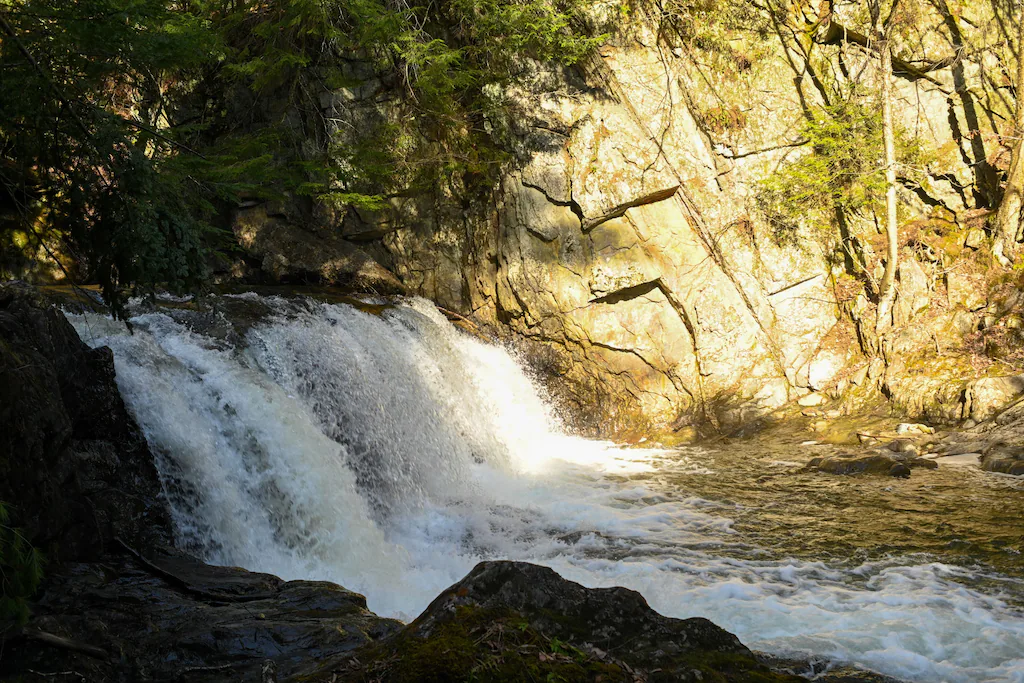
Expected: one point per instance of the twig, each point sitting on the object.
(64, 643)
(56, 673)
(195, 669)
(53, 674)
(461, 318)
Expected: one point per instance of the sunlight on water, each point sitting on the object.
(391, 453)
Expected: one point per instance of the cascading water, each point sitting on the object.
(389, 452)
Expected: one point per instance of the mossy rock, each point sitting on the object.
(512, 621)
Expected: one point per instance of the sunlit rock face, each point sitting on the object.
(621, 241)
(623, 237)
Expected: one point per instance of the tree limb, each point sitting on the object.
(64, 643)
(831, 32)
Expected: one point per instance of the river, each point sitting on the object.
(381, 448)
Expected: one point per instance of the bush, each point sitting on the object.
(21, 570)
(841, 171)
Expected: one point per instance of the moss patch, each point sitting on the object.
(484, 645)
(478, 644)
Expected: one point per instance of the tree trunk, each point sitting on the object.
(1008, 223)
(887, 287)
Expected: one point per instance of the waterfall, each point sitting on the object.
(389, 452)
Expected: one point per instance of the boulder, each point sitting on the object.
(75, 469)
(169, 617)
(984, 397)
(289, 253)
(1004, 458)
(518, 621)
(904, 446)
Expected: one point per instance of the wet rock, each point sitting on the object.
(899, 470)
(74, 466)
(1003, 458)
(518, 621)
(172, 617)
(822, 671)
(878, 463)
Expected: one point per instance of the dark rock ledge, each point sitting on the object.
(118, 604)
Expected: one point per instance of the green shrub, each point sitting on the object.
(21, 570)
(842, 169)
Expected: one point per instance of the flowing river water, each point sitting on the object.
(387, 451)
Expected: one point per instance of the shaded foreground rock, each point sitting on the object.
(176, 618)
(75, 469)
(513, 621)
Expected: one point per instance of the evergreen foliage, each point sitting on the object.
(441, 55)
(83, 87)
(118, 147)
(843, 170)
(21, 570)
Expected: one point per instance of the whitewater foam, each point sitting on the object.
(390, 453)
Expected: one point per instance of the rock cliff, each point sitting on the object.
(624, 244)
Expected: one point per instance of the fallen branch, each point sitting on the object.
(64, 643)
(453, 316)
(53, 674)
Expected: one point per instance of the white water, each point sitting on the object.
(391, 453)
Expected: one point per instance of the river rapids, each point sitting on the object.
(389, 452)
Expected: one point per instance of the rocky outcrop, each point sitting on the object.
(169, 617)
(74, 467)
(985, 397)
(515, 621)
(288, 251)
(623, 241)
(613, 240)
